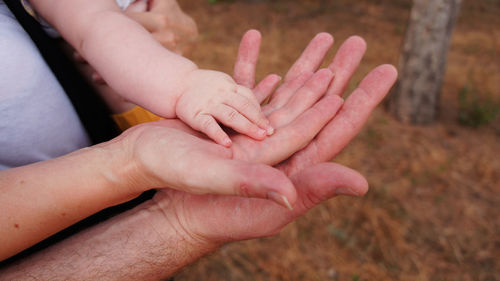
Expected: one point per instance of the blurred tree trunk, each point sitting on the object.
(423, 60)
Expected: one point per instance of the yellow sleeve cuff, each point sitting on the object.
(135, 116)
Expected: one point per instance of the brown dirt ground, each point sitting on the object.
(432, 212)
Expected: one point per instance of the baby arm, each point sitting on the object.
(134, 64)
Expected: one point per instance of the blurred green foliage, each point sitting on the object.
(475, 111)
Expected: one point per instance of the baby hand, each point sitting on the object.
(212, 96)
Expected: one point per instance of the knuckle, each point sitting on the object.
(206, 124)
(246, 104)
(231, 115)
(309, 200)
(243, 189)
(246, 92)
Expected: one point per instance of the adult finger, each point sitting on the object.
(216, 175)
(303, 99)
(345, 63)
(343, 66)
(349, 121)
(312, 56)
(246, 60)
(249, 180)
(319, 183)
(301, 70)
(238, 219)
(284, 92)
(323, 181)
(289, 139)
(266, 87)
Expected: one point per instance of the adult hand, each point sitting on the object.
(166, 21)
(164, 155)
(236, 218)
(189, 162)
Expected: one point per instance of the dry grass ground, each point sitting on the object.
(432, 212)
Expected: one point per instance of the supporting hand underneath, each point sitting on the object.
(312, 127)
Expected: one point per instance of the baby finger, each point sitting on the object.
(207, 124)
(250, 108)
(230, 117)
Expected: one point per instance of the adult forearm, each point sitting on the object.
(141, 244)
(41, 199)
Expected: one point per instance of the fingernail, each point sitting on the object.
(280, 199)
(345, 191)
(227, 142)
(262, 132)
(269, 130)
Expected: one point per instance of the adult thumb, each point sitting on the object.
(235, 177)
(324, 181)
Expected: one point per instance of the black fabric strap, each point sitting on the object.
(92, 111)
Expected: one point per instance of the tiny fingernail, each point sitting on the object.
(261, 132)
(345, 191)
(280, 199)
(269, 130)
(227, 142)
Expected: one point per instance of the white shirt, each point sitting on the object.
(37, 120)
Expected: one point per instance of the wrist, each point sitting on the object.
(119, 170)
(175, 220)
(180, 246)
